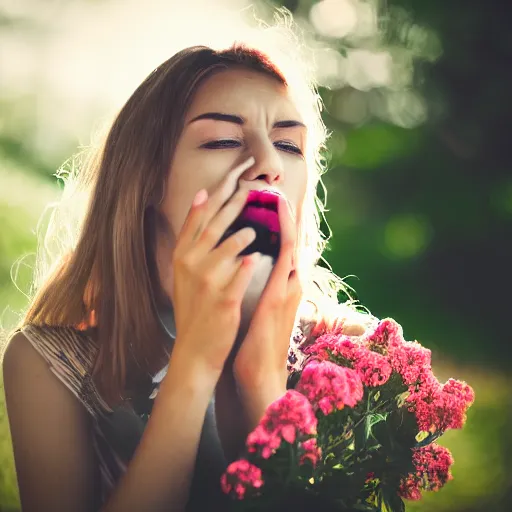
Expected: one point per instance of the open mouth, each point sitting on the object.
(259, 213)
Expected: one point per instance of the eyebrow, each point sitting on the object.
(230, 118)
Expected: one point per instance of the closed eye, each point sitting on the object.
(289, 146)
(222, 143)
(284, 145)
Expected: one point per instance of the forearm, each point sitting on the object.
(158, 477)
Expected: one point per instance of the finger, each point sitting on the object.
(280, 276)
(295, 291)
(201, 212)
(193, 222)
(225, 190)
(233, 246)
(288, 229)
(225, 258)
(212, 234)
(236, 289)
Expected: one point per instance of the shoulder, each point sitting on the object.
(19, 354)
(327, 315)
(59, 340)
(23, 366)
(50, 430)
(63, 352)
(28, 379)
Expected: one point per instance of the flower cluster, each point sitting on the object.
(310, 452)
(384, 352)
(364, 410)
(439, 407)
(373, 367)
(432, 470)
(330, 386)
(289, 418)
(411, 361)
(241, 476)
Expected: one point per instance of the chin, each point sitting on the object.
(261, 273)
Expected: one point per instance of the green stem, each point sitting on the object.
(366, 414)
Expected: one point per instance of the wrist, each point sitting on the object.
(190, 371)
(256, 399)
(266, 383)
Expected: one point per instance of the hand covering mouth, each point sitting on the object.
(260, 213)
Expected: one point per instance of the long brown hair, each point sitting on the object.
(111, 269)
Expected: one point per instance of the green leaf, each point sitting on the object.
(401, 398)
(381, 435)
(361, 434)
(396, 503)
(428, 439)
(363, 507)
(391, 502)
(377, 418)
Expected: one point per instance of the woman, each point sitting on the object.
(160, 279)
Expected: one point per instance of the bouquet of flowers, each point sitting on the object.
(355, 431)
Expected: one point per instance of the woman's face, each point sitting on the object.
(236, 114)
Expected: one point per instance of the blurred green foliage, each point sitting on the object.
(421, 216)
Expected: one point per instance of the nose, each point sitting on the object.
(268, 166)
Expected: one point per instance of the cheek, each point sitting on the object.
(186, 177)
(301, 185)
(300, 188)
(178, 198)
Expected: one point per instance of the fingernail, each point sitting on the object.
(286, 204)
(250, 161)
(200, 197)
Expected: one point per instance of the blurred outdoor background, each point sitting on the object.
(417, 96)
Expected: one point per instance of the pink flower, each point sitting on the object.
(332, 343)
(460, 389)
(241, 476)
(347, 348)
(373, 368)
(319, 349)
(457, 398)
(369, 477)
(433, 462)
(432, 465)
(287, 418)
(261, 439)
(425, 401)
(409, 489)
(329, 386)
(311, 452)
(387, 334)
(440, 407)
(411, 361)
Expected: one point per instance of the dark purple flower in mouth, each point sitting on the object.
(261, 208)
(261, 214)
